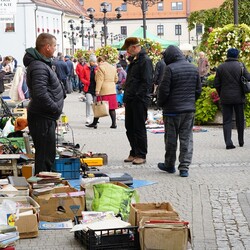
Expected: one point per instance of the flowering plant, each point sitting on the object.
(152, 48)
(206, 106)
(109, 53)
(230, 36)
(83, 53)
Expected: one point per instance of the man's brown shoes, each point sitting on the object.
(138, 161)
(135, 160)
(129, 159)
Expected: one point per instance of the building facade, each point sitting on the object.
(33, 17)
(69, 21)
(166, 19)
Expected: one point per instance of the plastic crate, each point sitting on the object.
(68, 167)
(110, 239)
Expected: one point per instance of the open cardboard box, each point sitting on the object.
(162, 234)
(27, 225)
(140, 210)
(62, 207)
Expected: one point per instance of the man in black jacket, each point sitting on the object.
(46, 100)
(228, 85)
(136, 99)
(178, 90)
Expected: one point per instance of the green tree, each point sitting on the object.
(218, 17)
(220, 39)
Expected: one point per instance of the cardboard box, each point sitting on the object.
(140, 210)
(27, 225)
(59, 206)
(163, 235)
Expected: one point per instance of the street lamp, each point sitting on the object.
(104, 10)
(91, 12)
(144, 4)
(82, 30)
(72, 35)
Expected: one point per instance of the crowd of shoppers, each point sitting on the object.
(175, 81)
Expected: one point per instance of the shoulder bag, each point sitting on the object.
(245, 83)
(100, 108)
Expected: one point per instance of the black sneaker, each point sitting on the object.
(162, 167)
(184, 173)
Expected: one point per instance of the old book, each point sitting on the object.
(8, 190)
(50, 180)
(41, 191)
(18, 182)
(34, 179)
(7, 229)
(6, 243)
(49, 174)
(42, 185)
(7, 236)
(4, 181)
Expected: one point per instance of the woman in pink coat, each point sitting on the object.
(106, 78)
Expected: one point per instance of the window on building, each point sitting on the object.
(198, 29)
(176, 6)
(124, 6)
(9, 27)
(160, 30)
(178, 30)
(160, 6)
(124, 30)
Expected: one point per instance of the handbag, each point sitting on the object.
(244, 81)
(100, 108)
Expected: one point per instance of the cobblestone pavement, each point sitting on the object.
(215, 198)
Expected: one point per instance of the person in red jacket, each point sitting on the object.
(87, 77)
(79, 69)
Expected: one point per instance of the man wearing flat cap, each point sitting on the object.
(229, 87)
(136, 99)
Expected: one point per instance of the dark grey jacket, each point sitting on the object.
(180, 86)
(227, 82)
(138, 84)
(46, 92)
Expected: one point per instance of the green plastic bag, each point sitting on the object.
(111, 197)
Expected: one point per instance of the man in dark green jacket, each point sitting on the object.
(46, 100)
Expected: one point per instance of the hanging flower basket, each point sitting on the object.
(110, 54)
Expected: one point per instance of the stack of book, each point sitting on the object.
(8, 236)
(21, 184)
(44, 182)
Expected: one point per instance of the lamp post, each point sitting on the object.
(144, 4)
(82, 30)
(71, 35)
(104, 10)
(236, 14)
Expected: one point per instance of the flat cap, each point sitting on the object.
(130, 41)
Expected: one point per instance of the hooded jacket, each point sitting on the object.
(46, 91)
(139, 79)
(180, 86)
